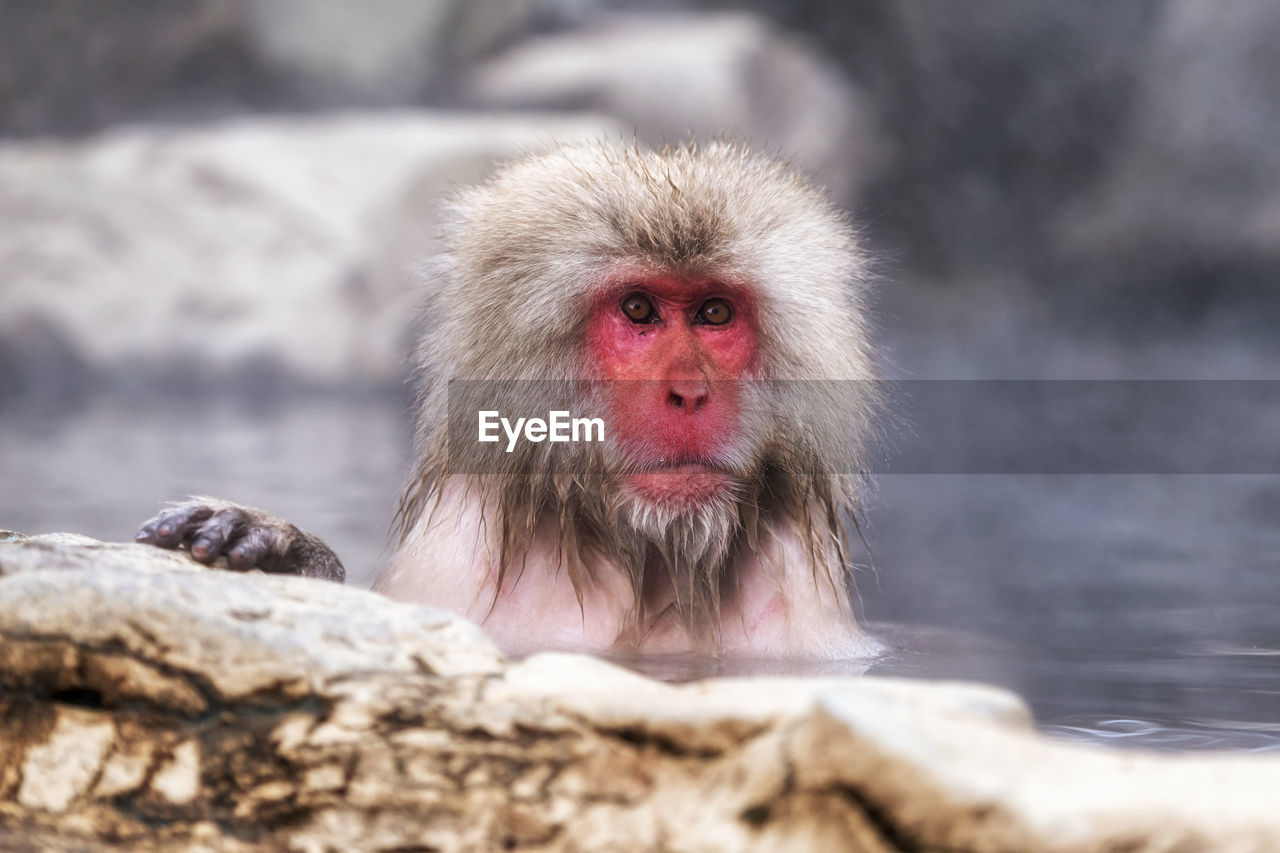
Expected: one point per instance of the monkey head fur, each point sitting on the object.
(527, 253)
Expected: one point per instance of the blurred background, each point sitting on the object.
(211, 212)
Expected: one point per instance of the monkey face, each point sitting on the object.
(674, 351)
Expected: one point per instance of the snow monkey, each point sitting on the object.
(690, 316)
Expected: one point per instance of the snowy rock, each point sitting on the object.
(259, 246)
(149, 704)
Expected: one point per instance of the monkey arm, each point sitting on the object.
(248, 538)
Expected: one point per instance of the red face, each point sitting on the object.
(675, 349)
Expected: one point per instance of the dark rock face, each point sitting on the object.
(1188, 208)
(71, 66)
(1113, 160)
(146, 704)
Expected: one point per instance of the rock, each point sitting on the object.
(280, 247)
(148, 704)
(69, 66)
(672, 75)
(1191, 198)
(387, 51)
(995, 113)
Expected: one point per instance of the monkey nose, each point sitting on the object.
(688, 394)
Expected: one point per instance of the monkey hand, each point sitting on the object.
(248, 538)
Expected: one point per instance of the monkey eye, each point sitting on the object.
(715, 312)
(639, 309)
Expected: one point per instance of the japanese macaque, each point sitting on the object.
(700, 302)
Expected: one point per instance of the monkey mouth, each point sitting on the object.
(681, 483)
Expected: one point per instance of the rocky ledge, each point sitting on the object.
(148, 704)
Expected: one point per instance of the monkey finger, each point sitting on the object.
(172, 526)
(210, 540)
(258, 547)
